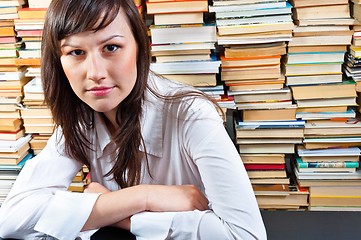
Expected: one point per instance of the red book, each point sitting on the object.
(265, 166)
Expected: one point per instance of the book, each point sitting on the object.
(224, 13)
(245, 141)
(10, 162)
(177, 6)
(321, 12)
(321, 57)
(321, 30)
(10, 124)
(297, 197)
(328, 175)
(270, 133)
(321, 40)
(250, 61)
(195, 67)
(39, 3)
(263, 158)
(32, 13)
(343, 90)
(283, 94)
(257, 85)
(245, 7)
(264, 104)
(254, 28)
(307, 3)
(270, 124)
(319, 143)
(281, 180)
(10, 3)
(341, 164)
(267, 49)
(313, 68)
(332, 131)
(180, 33)
(326, 21)
(286, 148)
(194, 79)
(253, 72)
(313, 79)
(182, 58)
(269, 114)
(352, 151)
(335, 190)
(178, 18)
(12, 135)
(338, 200)
(317, 48)
(258, 166)
(255, 38)
(254, 20)
(326, 102)
(267, 174)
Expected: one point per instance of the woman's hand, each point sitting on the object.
(95, 187)
(161, 198)
(157, 198)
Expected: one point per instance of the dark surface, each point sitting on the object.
(312, 225)
(111, 233)
(285, 225)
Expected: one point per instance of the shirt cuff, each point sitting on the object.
(66, 214)
(151, 225)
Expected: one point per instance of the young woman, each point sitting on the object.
(161, 162)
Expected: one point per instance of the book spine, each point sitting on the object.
(328, 165)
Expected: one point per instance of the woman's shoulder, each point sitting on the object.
(183, 100)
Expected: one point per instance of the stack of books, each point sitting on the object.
(330, 172)
(182, 42)
(11, 75)
(79, 181)
(253, 34)
(14, 152)
(14, 146)
(316, 54)
(352, 65)
(39, 3)
(29, 27)
(252, 21)
(265, 148)
(37, 117)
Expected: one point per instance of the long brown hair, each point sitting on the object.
(67, 17)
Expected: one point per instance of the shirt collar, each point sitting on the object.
(151, 126)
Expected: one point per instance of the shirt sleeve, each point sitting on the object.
(39, 204)
(234, 212)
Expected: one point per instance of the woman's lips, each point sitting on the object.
(100, 91)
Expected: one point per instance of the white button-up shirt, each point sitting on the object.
(186, 144)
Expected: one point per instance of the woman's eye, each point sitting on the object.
(76, 52)
(111, 48)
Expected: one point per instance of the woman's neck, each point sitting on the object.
(110, 122)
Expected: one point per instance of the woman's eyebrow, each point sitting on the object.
(111, 37)
(69, 44)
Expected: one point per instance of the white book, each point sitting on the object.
(242, 7)
(196, 67)
(253, 20)
(13, 146)
(351, 151)
(12, 76)
(257, 12)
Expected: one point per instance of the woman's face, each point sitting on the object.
(101, 66)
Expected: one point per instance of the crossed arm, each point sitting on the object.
(116, 208)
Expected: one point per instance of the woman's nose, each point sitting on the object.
(96, 67)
